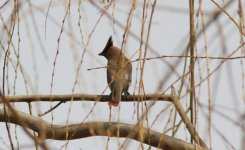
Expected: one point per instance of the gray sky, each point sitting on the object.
(169, 36)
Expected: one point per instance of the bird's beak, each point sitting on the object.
(100, 54)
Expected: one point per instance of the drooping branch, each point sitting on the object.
(84, 97)
(76, 131)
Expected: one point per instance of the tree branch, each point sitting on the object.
(186, 120)
(84, 97)
(76, 131)
(105, 98)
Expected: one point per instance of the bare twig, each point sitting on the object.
(51, 109)
(175, 56)
(229, 16)
(192, 62)
(187, 121)
(5, 3)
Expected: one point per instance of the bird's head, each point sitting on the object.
(107, 47)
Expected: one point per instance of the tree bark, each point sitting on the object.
(82, 130)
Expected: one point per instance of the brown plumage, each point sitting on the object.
(119, 72)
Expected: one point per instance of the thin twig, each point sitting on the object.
(5, 3)
(187, 121)
(175, 56)
(229, 16)
(192, 63)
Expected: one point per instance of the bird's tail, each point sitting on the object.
(116, 94)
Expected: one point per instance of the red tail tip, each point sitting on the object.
(112, 104)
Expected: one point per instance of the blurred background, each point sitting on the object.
(53, 46)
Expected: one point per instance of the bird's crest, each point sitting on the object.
(108, 45)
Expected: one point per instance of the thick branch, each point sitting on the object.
(76, 131)
(104, 98)
(84, 97)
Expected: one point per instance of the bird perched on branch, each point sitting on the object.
(119, 72)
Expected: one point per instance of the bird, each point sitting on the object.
(119, 72)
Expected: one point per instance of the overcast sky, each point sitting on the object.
(169, 36)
